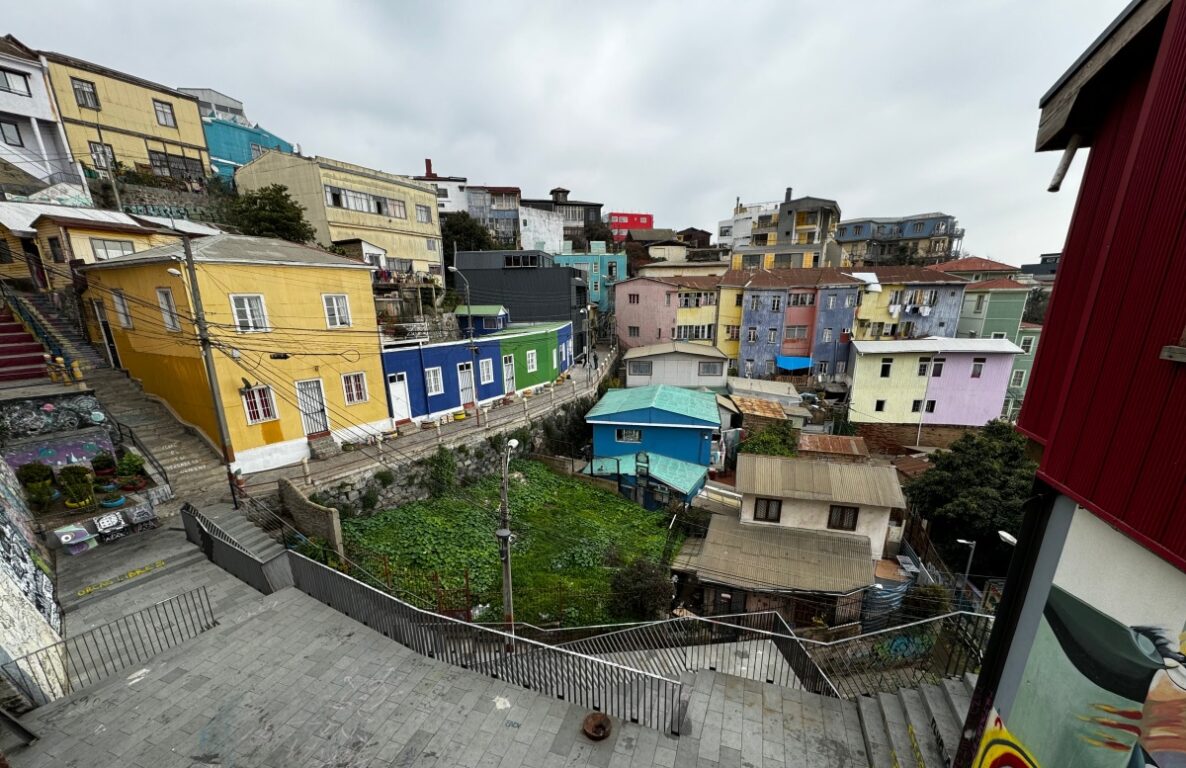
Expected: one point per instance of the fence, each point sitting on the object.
(127, 433)
(82, 660)
(265, 576)
(639, 697)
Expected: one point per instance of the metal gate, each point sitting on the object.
(311, 400)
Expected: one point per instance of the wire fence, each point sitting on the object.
(83, 660)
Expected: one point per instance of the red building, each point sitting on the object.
(1094, 608)
(621, 223)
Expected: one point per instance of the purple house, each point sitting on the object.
(931, 381)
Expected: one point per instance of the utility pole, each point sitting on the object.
(208, 358)
(504, 540)
(473, 348)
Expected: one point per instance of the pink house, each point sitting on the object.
(645, 311)
(963, 397)
(799, 323)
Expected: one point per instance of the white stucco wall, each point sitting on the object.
(536, 227)
(678, 370)
(872, 522)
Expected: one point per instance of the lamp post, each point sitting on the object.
(473, 349)
(971, 552)
(469, 307)
(1008, 538)
(504, 539)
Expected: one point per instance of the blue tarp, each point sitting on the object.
(788, 363)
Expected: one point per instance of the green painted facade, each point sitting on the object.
(545, 342)
(1027, 338)
(991, 311)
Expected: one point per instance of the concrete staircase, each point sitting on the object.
(916, 726)
(21, 355)
(68, 333)
(245, 533)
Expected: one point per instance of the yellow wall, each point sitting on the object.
(728, 314)
(768, 261)
(76, 244)
(875, 309)
(903, 386)
(128, 119)
(170, 367)
(695, 316)
(306, 179)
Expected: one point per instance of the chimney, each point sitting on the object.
(428, 168)
(790, 194)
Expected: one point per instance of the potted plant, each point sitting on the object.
(34, 472)
(40, 495)
(132, 482)
(130, 464)
(75, 480)
(112, 500)
(103, 464)
(106, 485)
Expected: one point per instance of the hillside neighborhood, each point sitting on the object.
(307, 462)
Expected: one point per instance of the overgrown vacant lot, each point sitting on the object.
(569, 537)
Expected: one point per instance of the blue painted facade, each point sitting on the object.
(230, 144)
(854, 230)
(840, 318)
(760, 316)
(484, 324)
(602, 270)
(691, 441)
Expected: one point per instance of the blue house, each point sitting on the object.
(233, 144)
(487, 318)
(602, 271)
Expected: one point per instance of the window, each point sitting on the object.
(930, 406)
(632, 298)
(14, 82)
(896, 297)
(978, 367)
(841, 366)
(84, 93)
(259, 405)
(802, 300)
(887, 364)
(486, 370)
(596, 286)
(639, 367)
(632, 331)
(821, 366)
(916, 406)
(250, 316)
(121, 309)
(434, 382)
(611, 269)
(772, 336)
(532, 361)
(397, 209)
(879, 406)
(432, 244)
(693, 332)
(795, 332)
(755, 302)
(916, 227)
(55, 250)
(924, 366)
(751, 261)
(355, 385)
(108, 249)
(831, 302)
(712, 368)
(849, 301)
(740, 299)
(628, 435)
(164, 113)
(842, 518)
(5, 252)
(937, 367)
(979, 303)
(827, 335)
(858, 229)
(998, 334)
(102, 155)
(175, 166)
(768, 510)
(1027, 344)
(11, 133)
(751, 335)
(733, 332)
(1017, 379)
(164, 297)
(517, 260)
(930, 298)
(491, 323)
(256, 151)
(769, 366)
(776, 303)
(423, 214)
(337, 310)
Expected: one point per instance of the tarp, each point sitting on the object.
(788, 363)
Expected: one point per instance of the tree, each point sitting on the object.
(463, 232)
(1035, 306)
(778, 438)
(972, 491)
(599, 231)
(642, 591)
(270, 212)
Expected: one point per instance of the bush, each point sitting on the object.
(34, 472)
(778, 438)
(385, 477)
(369, 499)
(926, 601)
(75, 480)
(641, 591)
(442, 472)
(103, 461)
(39, 495)
(130, 464)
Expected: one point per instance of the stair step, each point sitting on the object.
(919, 725)
(970, 679)
(957, 697)
(877, 743)
(23, 372)
(894, 718)
(947, 730)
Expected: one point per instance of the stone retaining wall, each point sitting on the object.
(311, 518)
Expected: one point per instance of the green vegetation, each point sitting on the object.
(644, 588)
(570, 537)
(130, 464)
(270, 212)
(34, 472)
(778, 438)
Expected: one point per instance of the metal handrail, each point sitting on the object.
(30, 318)
(68, 665)
(213, 528)
(901, 627)
(127, 432)
(257, 507)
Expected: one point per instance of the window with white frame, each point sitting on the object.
(775, 303)
(999, 334)
(164, 113)
(486, 370)
(106, 249)
(639, 367)
(14, 82)
(772, 335)
(841, 366)
(978, 367)
(979, 303)
(751, 335)
(423, 214)
(733, 332)
(337, 310)
(821, 366)
(827, 335)
(711, 368)
(831, 301)
(121, 309)
(628, 435)
(84, 93)
(102, 155)
(802, 300)
(259, 405)
(849, 301)
(432, 244)
(434, 382)
(532, 361)
(795, 332)
(355, 386)
(164, 297)
(1027, 344)
(250, 316)
(555, 360)
(1017, 379)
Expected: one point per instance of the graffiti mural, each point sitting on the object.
(22, 560)
(43, 416)
(59, 450)
(1097, 693)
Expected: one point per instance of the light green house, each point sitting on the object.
(1027, 338)
(993, 309)
(539, 357)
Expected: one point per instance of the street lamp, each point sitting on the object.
(971, 552)
(504, 538)
(1008, 538)
(469, 307)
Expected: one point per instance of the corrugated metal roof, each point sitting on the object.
(840, 482)
(181, 225)
(936, 344)
(480, 309)
(910, 275)
(973, 264)
(911, 466)
(771, 558)
(237, 249)
(840, 444)
(701, 406)
(668, 347)
(683, 476)
(19, 217)
(762, 386)
(756, 406)
(1001, 284)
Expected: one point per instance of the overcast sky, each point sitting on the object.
(676, 108)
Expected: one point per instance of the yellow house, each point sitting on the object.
(296, 343)
(347, 202)
(38, 241)
(729, 309)
(109, 116)
(907, 303)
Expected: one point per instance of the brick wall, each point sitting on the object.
(898, 439)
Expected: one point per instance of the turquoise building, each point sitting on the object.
(233, 144)
(602, 271)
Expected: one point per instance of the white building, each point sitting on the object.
(31, 138)
(736, 231)
(842, 497)
(451, 195)
(541, 230)
(677, 363)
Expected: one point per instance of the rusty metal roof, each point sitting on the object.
(840, 482)
(755, 406)
(772, 558)
(840, 444)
